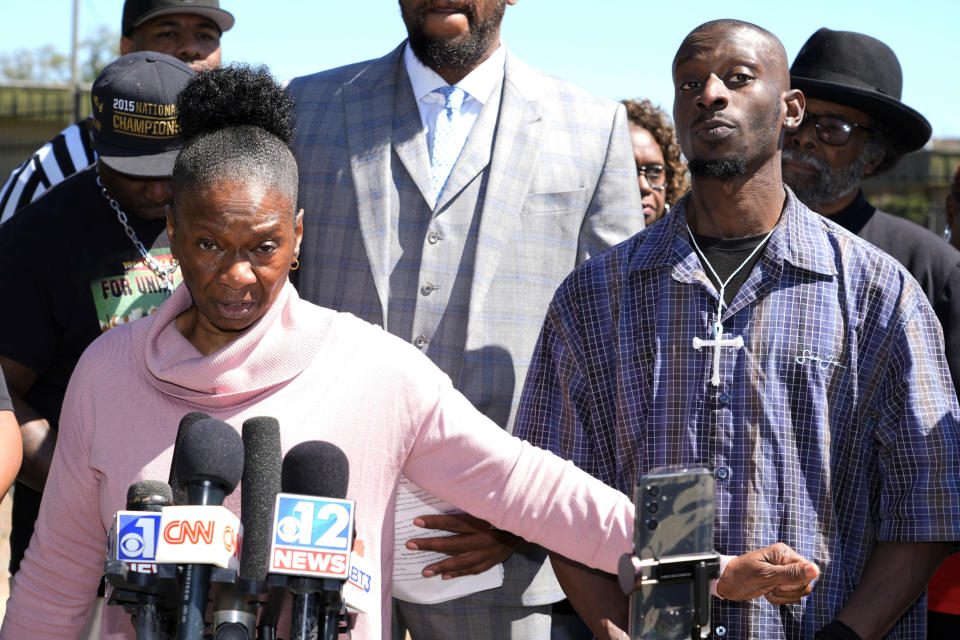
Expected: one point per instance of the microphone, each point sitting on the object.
(131, 566)
(209, 463)
(313, 469)
(149, 495)
(136, 542)
(235, 617)
(176, 483)
(261, 484)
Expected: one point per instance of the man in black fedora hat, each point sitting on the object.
(855, 127)
(188, 30)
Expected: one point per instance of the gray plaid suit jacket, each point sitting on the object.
(557, 185)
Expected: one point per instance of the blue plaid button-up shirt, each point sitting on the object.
(834, 427)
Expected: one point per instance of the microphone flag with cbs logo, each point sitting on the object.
(312, 536)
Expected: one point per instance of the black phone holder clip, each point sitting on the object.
(696, 568)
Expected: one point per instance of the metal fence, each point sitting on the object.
(33, 112)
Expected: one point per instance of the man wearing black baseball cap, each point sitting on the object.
(188, 30)
(90, 254)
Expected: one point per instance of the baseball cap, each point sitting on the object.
(136, 12)
(135, 127)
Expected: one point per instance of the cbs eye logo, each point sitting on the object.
(328, 521)
(138, 537)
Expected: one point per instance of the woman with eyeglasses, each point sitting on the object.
(661, 171)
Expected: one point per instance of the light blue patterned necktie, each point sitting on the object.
(446, 145)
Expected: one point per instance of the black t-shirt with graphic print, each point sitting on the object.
(68, 271)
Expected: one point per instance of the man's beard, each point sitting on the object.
(735, 165)
(722, 168)
(827, 186)
(456, 54)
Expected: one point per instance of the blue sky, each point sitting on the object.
(615, 48)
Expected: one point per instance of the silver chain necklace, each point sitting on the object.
(718, 341)
(164, 274)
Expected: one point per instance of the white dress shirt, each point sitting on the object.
(479, 84)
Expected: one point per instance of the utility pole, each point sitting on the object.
(74, 67)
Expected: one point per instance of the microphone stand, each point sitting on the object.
(305, 618)
(195, 587)
(332, 607)
(149, 604)
(144, 599)
(317, 609)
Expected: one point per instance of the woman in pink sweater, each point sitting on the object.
(235, 341)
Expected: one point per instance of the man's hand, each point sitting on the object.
(596, 597)
(476, 547)
(778, 573)
(39, 440)
(11, 450)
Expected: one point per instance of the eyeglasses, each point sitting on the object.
(832, 130)
(655, 175)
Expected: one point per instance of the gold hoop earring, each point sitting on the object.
(295, 265)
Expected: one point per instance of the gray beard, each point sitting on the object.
(828, 186)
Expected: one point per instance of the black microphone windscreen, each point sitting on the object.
(149, 495)
(211, 450)
(316, 468)
(176, 484)
(262, 457)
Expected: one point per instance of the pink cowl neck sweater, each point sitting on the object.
(325, 376)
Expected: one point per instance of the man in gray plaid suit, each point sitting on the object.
(461, 260)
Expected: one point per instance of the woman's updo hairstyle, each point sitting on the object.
(235, 122)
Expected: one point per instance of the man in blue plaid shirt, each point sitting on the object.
(749, 335)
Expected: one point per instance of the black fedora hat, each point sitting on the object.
(861, 72)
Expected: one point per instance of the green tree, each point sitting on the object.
(43, 64)
(914, 206)
(48, 64)
(98, 50)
